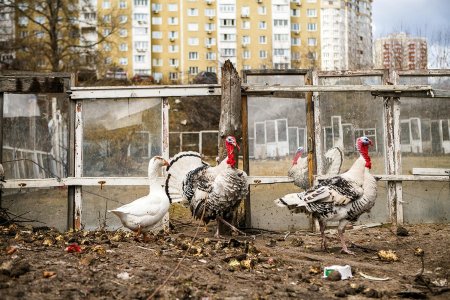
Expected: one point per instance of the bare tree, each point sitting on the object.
(59, 35)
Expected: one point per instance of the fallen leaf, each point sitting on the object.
(387, 255)
(49, 274)
(11, 250)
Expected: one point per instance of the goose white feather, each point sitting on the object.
(144, 213)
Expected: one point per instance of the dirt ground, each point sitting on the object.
(41, 263)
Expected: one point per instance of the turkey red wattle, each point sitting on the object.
(230, 152)
(296, 157)
(363, 148)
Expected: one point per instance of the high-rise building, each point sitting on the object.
(7, 30)
(346, 33)
(173, 41)
(401, 52)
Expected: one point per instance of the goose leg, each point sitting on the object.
(229, 225)
(341, 230)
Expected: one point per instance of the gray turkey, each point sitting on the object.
(213, 193)
(299, 169)
(341, 198)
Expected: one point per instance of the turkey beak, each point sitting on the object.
(237, 146)
(370, 143)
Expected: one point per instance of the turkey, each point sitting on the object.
(299, 169)
(144, 213)
(213, 193)
(341, 198)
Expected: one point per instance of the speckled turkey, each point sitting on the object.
(341, 198)
(213, 193)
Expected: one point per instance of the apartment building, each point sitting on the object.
(346, 34)
(401, 52)
(7, 33)
(174, 40)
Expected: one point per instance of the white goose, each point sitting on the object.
(143, 213)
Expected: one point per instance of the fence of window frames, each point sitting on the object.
(72, 153)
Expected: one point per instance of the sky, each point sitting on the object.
(416, 17)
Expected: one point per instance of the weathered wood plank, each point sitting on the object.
(230, 119)
(155, 91)
(431, 171)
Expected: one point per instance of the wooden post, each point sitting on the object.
(230, 116)
(245, 159)
(392, 151)
(311, 137)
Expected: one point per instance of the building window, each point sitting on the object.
(173, 76)
(280, 23)
(173, 62)
(139, 58)
(211, 69)
(140, 2)
(172, 7)
(227, 8)
(227, 22)
(227, 37)
(262, 54)
(295, 55)
(210, 41)
(193, 70)
(192, 26)
(157, 76)
(295, 42)
(228, 52)
(245, 11)
(312, 42)
(295, 27)
(193, 55)
(123, 47)
(141, 18)
(157, 48)
(280, 52)
(108, 60)
(122, 4)
(156, 20)
(172, 21)
(246, 25)
(157, 62)
(23, 21)
(246, 54)
(262, 25)
(141, 45)
(107, 18)
(173, 34)
(157, 35)
(312, 26)
(123, 61)
(262, 10)
(281, 37)
(209, 12)
(193, 41)
(123, 32)
(173, 48)
(106, 4)
(107, 47)
(123, 19)
(281, 8)
(210, 56)
(156, 7)
(295, 12)
(310, 12)
(141, 31)
(210, 26)
(262, 39)
(245, 40)
(192, 12)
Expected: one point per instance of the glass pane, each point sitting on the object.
(268, 123)
(97, 201)
(348, 80)
(347, 116)
(35, 135)
(120, 136)
(43, 207)
(426, 202)
(193, 125)
(425, 134)
(282, 79)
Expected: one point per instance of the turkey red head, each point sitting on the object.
(230, 143)
(363, 143)
(297, 155)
